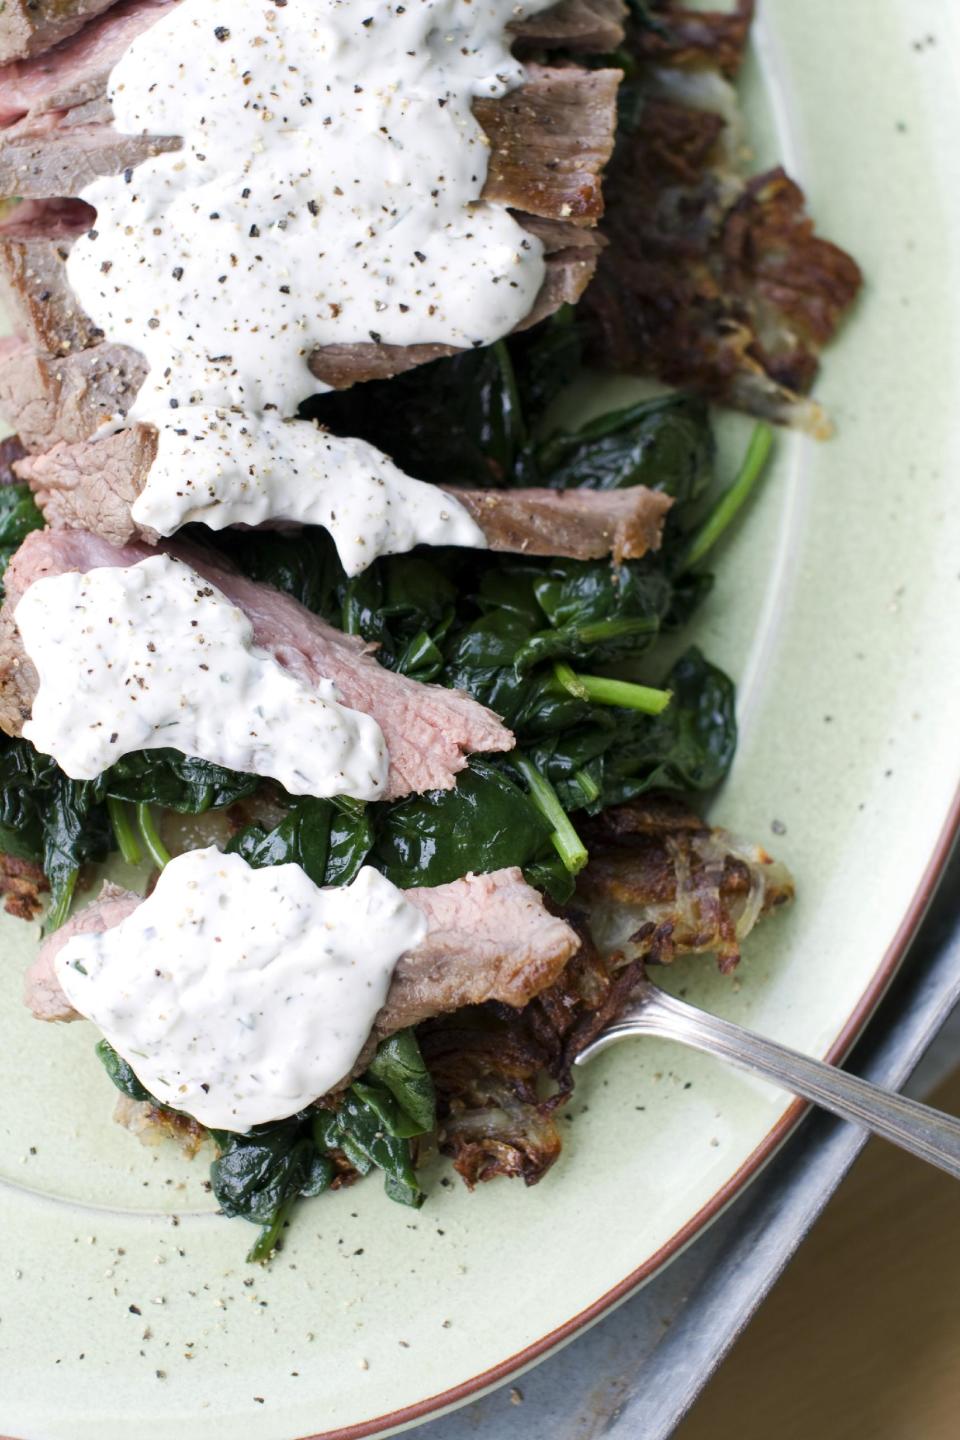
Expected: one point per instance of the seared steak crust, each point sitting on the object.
(74, 72)
(35, 241)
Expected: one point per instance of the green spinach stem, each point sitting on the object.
(733, 499)
(587, 784)
(123, 831)
(58, 912)
(154, 846)
(509, 378)
(595, 632)
(567, 842)
(266, 1242)
(603, 691)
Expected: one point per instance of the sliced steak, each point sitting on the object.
(93, 485)
(50, 398)
(569, 272)
(35, 240)
(587, 27)
(63, 161)
(429, 730)
(75, 71)
(78, 42)
(550, 141)
(42, 992)
(489, 937)
(45, 311)
(580, 524)
(28, 27)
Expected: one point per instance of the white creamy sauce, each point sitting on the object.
(242, 995)
(152, 655)
(229, 473)
(328, 192)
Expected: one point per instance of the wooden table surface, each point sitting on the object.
(860, 1340)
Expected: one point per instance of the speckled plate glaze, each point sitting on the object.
(125, 1305)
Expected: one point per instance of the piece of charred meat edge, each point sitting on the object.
(711, 280)
(660, 883)
(430, 730)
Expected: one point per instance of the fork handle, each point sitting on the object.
(928, 1133)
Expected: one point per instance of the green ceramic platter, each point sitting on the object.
(126, 1308)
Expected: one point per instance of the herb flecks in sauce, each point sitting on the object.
(152, 656)
(328, 192)
(254, 991)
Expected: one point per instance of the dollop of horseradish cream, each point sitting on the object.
(242, 995)
(233, 473)
(328, 192)
(152, 655)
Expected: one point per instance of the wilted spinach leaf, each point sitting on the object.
(404, 604)
(122, 1074)
(470, 420)
(618, 754)
(58, 821)
(485, 823)
(329, 838)
(665, 443)
(456, 421)
(689, 747)
(304, 565)
(398, 1066)
(177, 782)
(259, 1176)
(533, 613)
(63, 823)
(545, 359)
(379, 1115)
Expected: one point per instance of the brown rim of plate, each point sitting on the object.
(489, 1379)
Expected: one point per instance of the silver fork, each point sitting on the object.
(923, 1131)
